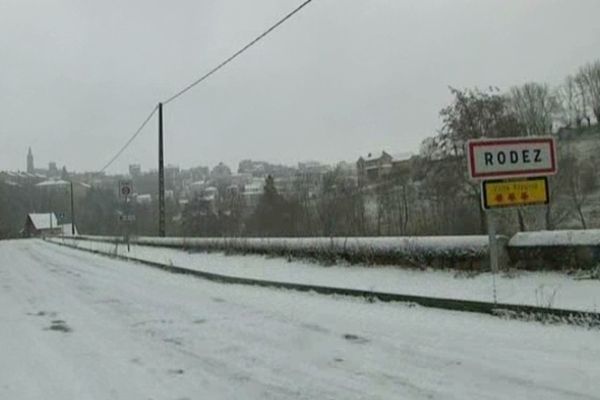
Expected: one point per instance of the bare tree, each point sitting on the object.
(582, 94)
(581, 182)
(572, 103)
(534, 105)
(472, 114)
(590, 76)
(341, 205)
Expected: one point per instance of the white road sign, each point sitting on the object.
(125, 188)
(511, 157)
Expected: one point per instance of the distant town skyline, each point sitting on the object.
(336, 82)
(31, 165)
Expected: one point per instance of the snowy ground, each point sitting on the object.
(79, 326)
(539, 289)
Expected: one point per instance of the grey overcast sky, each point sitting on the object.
(342, 78)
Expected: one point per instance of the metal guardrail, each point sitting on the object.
(544, 314)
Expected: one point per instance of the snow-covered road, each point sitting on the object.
(80, 326)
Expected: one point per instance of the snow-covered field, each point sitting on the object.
(531, 288)
(80, 326)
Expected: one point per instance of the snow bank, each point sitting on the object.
(590, 237)
(462, 252)
(556, 250)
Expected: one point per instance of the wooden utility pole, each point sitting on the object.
(161, 175)
(72, 212)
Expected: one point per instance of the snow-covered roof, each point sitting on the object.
(44, 221)
(372, 156)
(402, 156)
(143, 198)
(255, 187)
(52, 182)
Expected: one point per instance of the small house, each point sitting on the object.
(38, 225)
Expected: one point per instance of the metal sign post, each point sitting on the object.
(127, 224)
(493, 245)
(519, 166)
(125, 191)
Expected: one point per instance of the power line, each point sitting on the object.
(137, 132)
(205, 76)
(237, 53)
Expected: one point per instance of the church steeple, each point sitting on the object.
(30, 167)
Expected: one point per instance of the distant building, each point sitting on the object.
(241, 179)
(171, 172)
(144, 199)
(135, 170)
(254, 168)
(252, 192)
(197, 188)
(310, 174)
(373, 168)
(260, 169)
(30, 166)
(210, 193)
(313, 168)
(52, 169)
(37, 225)
(20, 178)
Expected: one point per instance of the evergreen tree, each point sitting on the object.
(274, 215)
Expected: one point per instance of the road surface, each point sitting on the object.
(80, 326)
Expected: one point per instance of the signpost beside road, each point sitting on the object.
(125, 189)
(511, 157)
(127, 218)
(514, 192)
(517, 169)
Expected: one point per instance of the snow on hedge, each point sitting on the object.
(442, 251)
(590, 237)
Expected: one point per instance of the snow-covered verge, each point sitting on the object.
(588, 237)
(556, 250)
(546, 289)
(79, 326)
(458, 252)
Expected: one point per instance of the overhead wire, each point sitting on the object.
(204, 77)
(131, 139)
(237, 53)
